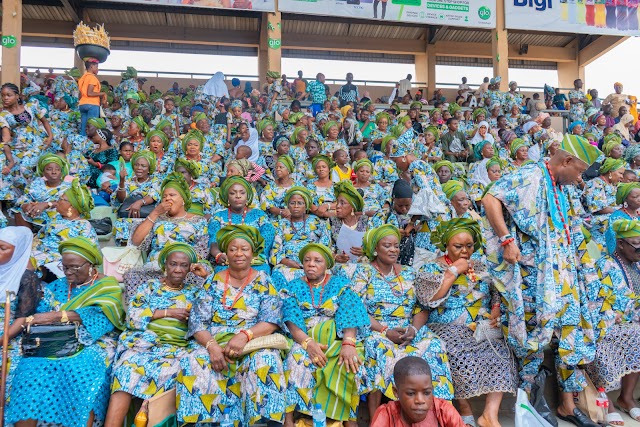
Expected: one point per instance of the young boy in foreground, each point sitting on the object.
(416, 406)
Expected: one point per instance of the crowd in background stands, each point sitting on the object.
(259, 257)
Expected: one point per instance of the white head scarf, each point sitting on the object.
(252, 143)
(488, 137)
(11, 272)
(216, 86)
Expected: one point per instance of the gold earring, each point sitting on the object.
(69, 213)
(609, 176)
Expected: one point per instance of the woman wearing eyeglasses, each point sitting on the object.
(72, 390)
(613, 301)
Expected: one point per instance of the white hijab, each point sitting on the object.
(11, 272)
(216, 86)
(487, 137)
(252, 143)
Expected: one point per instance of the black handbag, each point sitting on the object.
(145, 210)
(53, 340)
(103, 226)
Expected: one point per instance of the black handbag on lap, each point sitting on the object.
(53, 340)
(145, 210)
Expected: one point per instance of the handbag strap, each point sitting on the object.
(486, 337)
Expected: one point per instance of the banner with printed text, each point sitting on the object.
(457, 13)
(612, 17)
(256, 5)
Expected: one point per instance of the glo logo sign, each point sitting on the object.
(9, 41)
(484, 13)
(537, 4)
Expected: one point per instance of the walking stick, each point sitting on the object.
(5, 355)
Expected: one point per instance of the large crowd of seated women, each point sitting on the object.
(288, 258)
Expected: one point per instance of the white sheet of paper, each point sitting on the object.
(348, 238)
(53, 267)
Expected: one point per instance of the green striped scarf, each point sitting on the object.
(196, 209)
(106, 294)
(170, 331)
(335, 389)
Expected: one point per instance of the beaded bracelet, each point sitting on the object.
(348, 344)
(506, 242)
(248, 333)
(211, 341)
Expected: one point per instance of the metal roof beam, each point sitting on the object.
(71, 10)
(597, 48)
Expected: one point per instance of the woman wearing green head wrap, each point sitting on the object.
(349, 206)
(519, 153)
(383, 122)
(375, 197)
(459, 198)
(399, 329)
(70, 220)
(628, 200)
(157, 142)
(599, 197)
(40, 198)
(236, 305)
(613, 146)
(444, 170)
(332, 141)
(137, 131)
(81, 296)
(459, 290)
(266, 132)
(202, 200)
(298, 140)
(479, 114)
(616, 358)
(238, 195)
(142, 189)
(157, 338)
(170, 221)
(272, 197)
(327, 356)
(322, 187)
(295, 232)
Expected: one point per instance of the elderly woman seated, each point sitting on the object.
(615, 307)
(461, 299)
(40, 198)
(150, 349)
(398, 323)
(295, 232)
(234, 307)
(72, 210)
(92, 302)
(328, 322)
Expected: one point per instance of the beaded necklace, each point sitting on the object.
(304, 224)
(323, 283)
(554, 185)
(89, 282)
(240, 290)
(391, 284)
(244, 214)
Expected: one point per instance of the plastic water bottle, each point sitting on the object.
(602, 402)
(226, 419)
(319, 417)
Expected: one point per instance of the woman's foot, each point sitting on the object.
(485, 421)
(615, 419)
(630, 407)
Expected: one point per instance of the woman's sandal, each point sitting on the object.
(468, 420)
(615, 419)
(633, 412)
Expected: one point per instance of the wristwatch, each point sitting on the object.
(453, 270)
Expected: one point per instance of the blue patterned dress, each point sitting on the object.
(148, 359)
(392, 301)
(85, 377)
(56, 230)
(545, 292)
(375, 197)
(577, 110)
(291, 238)
(273, 197)
(618, 346)
(27, 139)
(38, 192)
(78, 165)
(255, 218)
(599, 195)
(167, 230)
(253, 388)
(333, 306)
(477, 368)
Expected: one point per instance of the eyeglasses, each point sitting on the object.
(636, 248)
(71, 269)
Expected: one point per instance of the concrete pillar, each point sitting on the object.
(500, 45)
(270, 49)
(77, 62)
(431, 67)
(568, 72)
(11, 27)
